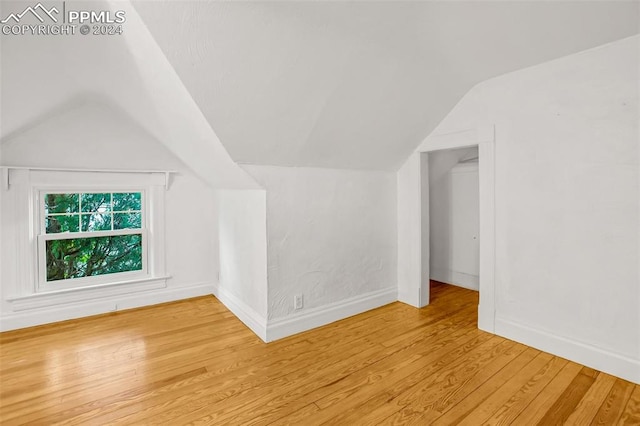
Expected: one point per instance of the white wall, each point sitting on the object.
(567, 203)
(89, 134)
(454, 218)
(410, 217)
(331, 235)
(243, 256)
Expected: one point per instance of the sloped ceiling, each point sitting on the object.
(358, 84)
(41, 77)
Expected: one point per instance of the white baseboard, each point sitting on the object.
(256, 322)
(597, 358)
(472, 282)
(322, 315)
(486, 319)
(85, 308)
(411, 300)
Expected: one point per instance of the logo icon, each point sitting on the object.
(16, 17)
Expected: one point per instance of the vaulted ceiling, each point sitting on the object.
(358, 84)
(326, 84)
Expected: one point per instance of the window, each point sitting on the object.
(82, 235)
(87, 235)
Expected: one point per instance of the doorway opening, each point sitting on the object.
(482, 141)
(454, 218)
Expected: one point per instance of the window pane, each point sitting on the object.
(60, 203)
(126, 201)
(96, 203)
(85, 257)
(127, 220)
(62, 223)
(96, 222)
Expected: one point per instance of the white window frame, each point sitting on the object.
(24, 187)
(42, 237)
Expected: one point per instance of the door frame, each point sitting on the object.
(484, 139)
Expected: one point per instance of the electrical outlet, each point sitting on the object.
(297, 302)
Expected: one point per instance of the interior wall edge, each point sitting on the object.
(245, 313)
(600, 359)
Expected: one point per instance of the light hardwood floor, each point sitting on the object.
(192, 362)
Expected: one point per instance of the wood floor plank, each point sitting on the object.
(512, 408)
(614, 404)
(536, 410)
(631, 414)
(336, 403)
(454, 413)
(193, 362)
(415, 396)
(564, 406)
(588, 407)
(514, 386)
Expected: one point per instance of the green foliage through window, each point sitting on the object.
(69, 257)
(91, 212)
(86, 257)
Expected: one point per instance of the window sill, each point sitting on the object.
(81, 294)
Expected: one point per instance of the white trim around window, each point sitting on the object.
(25, 188)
